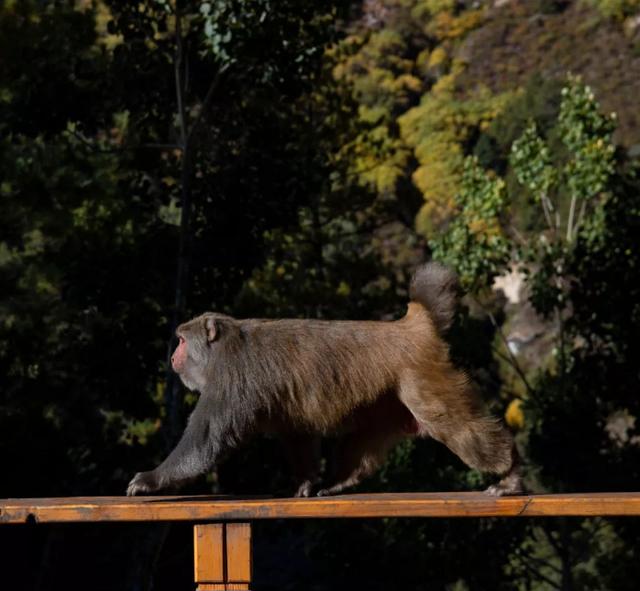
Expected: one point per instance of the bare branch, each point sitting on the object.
(160, 146)
(205, 104)
(542, 562)
(572, 210)
(511, 357)
(552, 540)
(90, 144)
(517, 235)
(536, 573)
(177, 68)
(578, 223)
(547, 208)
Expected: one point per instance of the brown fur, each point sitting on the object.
(374, 383)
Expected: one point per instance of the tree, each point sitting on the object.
(126, 132)
(579, 419)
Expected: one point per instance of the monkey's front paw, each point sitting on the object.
(141, 483)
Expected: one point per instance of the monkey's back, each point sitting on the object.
(318, 372)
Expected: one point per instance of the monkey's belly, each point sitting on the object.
(410, 427)
(386, 414)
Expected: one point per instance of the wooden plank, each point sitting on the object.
(238, 536)
(207, 508)
(208, 556)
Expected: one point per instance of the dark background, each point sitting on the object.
(290, 158)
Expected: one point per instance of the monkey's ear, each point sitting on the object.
(212, 327)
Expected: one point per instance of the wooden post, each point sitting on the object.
(222, 556)
(238, 546)
(208, 556)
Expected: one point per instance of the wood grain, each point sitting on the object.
(204, 508)
(238, 555)
(208, 554)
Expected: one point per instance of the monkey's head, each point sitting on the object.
(197, 343)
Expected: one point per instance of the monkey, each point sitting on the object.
(374, 383)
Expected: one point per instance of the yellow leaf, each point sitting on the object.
(343, 289)
(514, 416)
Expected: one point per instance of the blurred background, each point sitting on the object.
(296, 158)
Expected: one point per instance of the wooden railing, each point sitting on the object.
(222, 525)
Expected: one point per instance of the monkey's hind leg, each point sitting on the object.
(511, 482)
(361, 454)
(447, 409)
(377, 429)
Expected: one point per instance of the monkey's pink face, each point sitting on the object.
(179, 357)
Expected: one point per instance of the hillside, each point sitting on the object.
(517, 41)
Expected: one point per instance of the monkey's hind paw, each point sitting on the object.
(495, 491)
(331, 491)
(304, 490)
(505, 489)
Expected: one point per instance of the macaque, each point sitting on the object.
(372, 383)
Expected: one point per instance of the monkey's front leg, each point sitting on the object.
(195, 454)
(143, 483)
(511, 483)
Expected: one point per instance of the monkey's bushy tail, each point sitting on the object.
(436, 288)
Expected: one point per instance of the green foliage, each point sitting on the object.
(531, 161)
(219, 37)
(439, 129)
(616, 8)
(233, 29)
(474, 243)
(582, 174)
(328, 152)
(587, 134)
(382, 82)
(575, 403)
(402, 76)
(91, 162)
